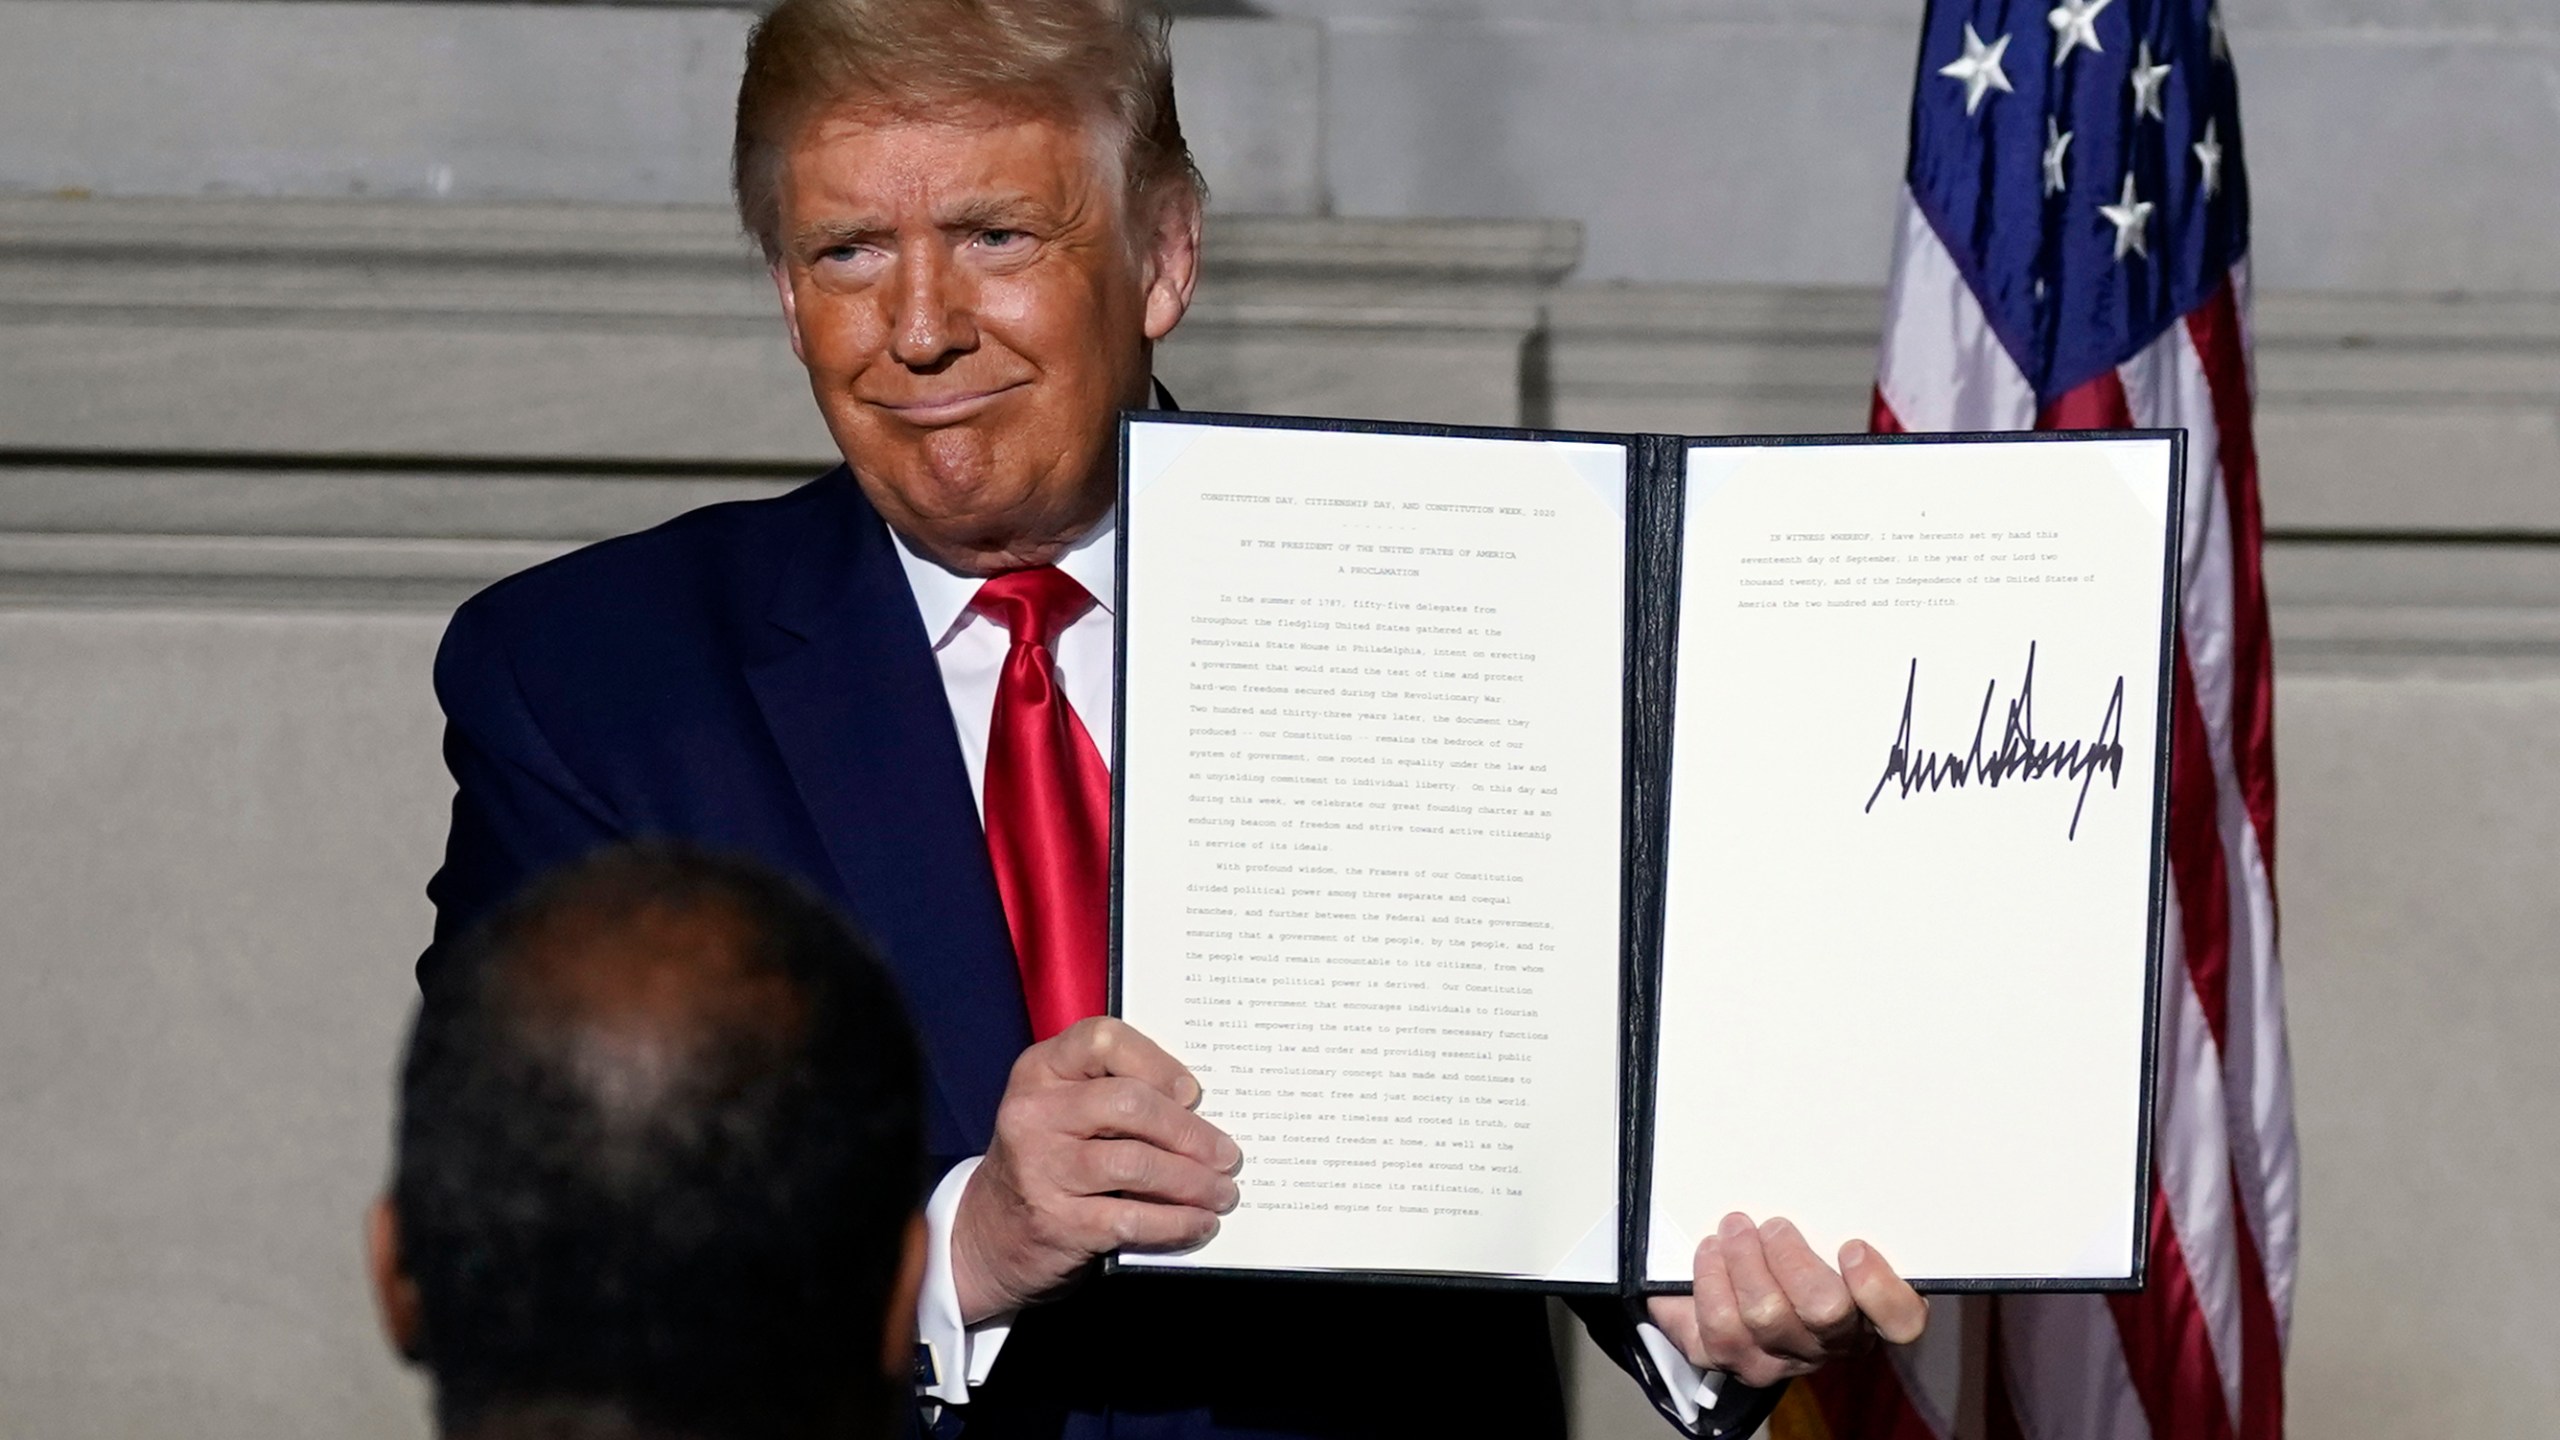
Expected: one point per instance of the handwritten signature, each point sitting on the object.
(2020, 757)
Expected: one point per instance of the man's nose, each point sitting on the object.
(933, 319)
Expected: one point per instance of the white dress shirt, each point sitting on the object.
(970, 648)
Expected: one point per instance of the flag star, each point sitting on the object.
(2075, 23)
(1978, 68)
(2209, 159)
(2132, 218)
(2057, 142)
(2148, 81)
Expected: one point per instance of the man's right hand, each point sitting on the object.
(1095, 1150)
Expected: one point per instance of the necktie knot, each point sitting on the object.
(1032, 605)
(1047, 807)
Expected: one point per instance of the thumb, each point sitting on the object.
(1896, 1310)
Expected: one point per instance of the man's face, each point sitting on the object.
(974, 303)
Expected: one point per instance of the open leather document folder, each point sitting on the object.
(1541, 845)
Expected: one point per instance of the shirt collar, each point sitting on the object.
(1094, 561)
(943, 595)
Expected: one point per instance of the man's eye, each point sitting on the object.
(1001, 239)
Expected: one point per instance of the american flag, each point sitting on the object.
(2073, 253)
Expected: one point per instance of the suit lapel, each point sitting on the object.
(856, 705)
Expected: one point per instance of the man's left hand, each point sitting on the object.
(1764, 1308)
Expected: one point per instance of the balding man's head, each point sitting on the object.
(659, 1159)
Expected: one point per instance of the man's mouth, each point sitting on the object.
(948, 409)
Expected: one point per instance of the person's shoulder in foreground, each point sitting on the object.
(658, 1167)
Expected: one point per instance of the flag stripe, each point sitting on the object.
(1880, 417)
(1942, 368)
(2066, 1371)
(2191, 1169)
(1999, 1406)
(2258, 1094)
(2170, 386)
(2261, 1343)
(2098, 403)
(2195, 855)
(2174, 383)
(2214, 330)
(2165, 1347)
(2260, 1088)
(1869, 1400)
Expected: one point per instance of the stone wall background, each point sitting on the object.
(2408, 145)
(315, 316)
(2398, 145)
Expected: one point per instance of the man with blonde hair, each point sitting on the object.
(981, 217)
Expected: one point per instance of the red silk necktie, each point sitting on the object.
(1048, 806)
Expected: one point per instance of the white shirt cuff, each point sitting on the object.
(961, 1354)
(1693, 1391)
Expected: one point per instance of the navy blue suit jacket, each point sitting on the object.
(755, 677)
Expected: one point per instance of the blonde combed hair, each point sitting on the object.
(1109, 61)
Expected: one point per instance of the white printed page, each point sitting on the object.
(1912, 812)
(1370, 797)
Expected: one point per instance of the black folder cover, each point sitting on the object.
(1654, 511)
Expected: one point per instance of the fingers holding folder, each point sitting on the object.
(1765, 1308)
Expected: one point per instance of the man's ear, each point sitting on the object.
(781, 274)
(394, 1294)
(1172, 259)
(898, 1329)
